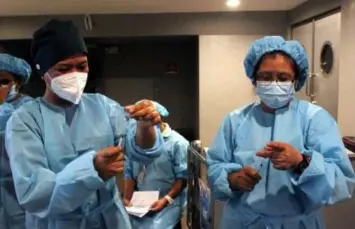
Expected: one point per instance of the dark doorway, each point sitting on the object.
(127, 69)
(164, 69)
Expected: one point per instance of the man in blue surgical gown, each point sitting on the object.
(66, 148)
(165, 172)
(14, 72)
(278, 161)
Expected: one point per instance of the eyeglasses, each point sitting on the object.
(274, 76)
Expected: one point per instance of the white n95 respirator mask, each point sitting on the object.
(70, 86)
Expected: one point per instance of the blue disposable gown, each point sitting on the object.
(51, 153)
(160, 175)
(281, 200)
(12, 216)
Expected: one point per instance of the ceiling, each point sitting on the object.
(50, 7)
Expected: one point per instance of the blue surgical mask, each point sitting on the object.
(12, 94)
(275, 94)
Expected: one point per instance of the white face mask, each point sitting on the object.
(70, 86)
(275, 94)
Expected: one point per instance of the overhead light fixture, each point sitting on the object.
(232, 3)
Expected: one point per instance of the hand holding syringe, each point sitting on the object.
(247, 177)
(110, 161)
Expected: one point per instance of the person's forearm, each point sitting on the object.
(145, 136)
(177, 188)
(129, 186)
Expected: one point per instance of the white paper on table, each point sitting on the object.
(141, 202)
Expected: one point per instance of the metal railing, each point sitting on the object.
(200, 204)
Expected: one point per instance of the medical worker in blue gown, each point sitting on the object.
(165, 172)
(66, 148)
(278, 161)
(14, 72)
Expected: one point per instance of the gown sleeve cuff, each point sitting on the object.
(156, 147)
(222, 186)
(82, 169)
(315, 168)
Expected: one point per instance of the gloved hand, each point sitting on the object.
(244, 180)
(109, 162)
(144, 112)
(282, 155)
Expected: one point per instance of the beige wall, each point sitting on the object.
(223, 84)
(347, 74)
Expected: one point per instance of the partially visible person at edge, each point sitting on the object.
(14, 72)
(66, 148)
(278, 161)
(165, 172)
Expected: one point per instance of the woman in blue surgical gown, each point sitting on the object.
(165, 172)
(278, 161)
(66, 148)
(14, 72)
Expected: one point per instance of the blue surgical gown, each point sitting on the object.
(281, 200)
(12, 216)
(160, 175)
(51, 153)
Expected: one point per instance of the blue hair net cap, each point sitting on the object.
(18, 67)
(270, 44)
(161, 109)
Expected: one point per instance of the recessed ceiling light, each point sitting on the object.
(232, 3)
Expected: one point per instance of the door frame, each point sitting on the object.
(310, 81)
(315, 18)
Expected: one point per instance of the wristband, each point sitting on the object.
(169, 199)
